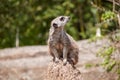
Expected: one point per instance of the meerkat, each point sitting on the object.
(61, 45)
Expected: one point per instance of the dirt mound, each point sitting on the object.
(57, 71)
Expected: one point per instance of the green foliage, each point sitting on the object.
(108, 63)
(33, 17)
(107, 15)
(106, 51)
(88, 65)
(95, 38)
(109, 19)
(118, 70)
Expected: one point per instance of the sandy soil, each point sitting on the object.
(31, 62)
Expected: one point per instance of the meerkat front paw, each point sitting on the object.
(56, 60)
(64, 61)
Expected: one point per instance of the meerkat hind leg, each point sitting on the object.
(73, 57)
(56, 55)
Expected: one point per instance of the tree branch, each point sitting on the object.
(116, 3)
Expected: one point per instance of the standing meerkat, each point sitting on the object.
(61, 45)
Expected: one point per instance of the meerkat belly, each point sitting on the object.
(59, 47)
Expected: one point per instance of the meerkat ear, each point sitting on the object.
(55, 25)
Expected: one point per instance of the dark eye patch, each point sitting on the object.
(62, 18)
(55, 25)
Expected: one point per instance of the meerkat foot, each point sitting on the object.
(64, 61)
(56, 60)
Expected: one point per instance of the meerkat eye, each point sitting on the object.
(62, 18)
(55, 25)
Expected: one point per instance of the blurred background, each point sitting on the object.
(94, 24)
(27, 22)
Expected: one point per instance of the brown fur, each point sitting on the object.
(58, 40)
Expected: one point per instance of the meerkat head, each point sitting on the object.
(60, 21)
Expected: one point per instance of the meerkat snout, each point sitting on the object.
(68, 18)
